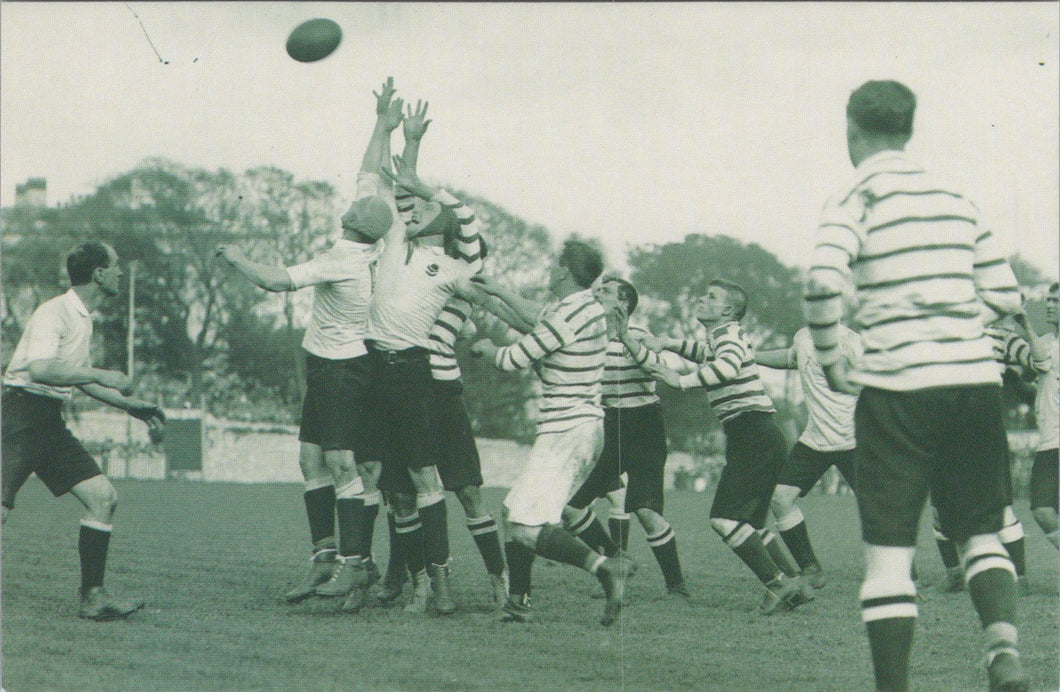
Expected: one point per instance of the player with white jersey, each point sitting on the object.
(418, 272)
(826, 441)
(567, 349)
(1044, 486)
(338, 456)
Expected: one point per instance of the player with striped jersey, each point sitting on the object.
(634, 442)
(928, 418)
(826, 441)
(567, 349)
(755, 447)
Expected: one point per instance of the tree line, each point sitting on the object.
(202, 335)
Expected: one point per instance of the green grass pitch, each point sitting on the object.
(212, 560)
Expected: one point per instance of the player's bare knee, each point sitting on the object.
(426, 480)
(340, 463)
(311, 461)
(1046, 518)
(652, 521)
(404, 505)
(724, 527)
(369, 472)
(470, 498)
(783, 500)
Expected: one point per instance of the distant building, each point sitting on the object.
(32, 193)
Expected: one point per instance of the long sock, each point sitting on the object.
(888, 608)
(554, 543)
(319, 497)
(520, 564)
(792, 528)
(589, 529)
(371, 511)
(484, 532)
(349, 513)
(991, 584)
(747, 544)
(395, 568)
(435, 527)
(777, 552)
(618, 526)
(92, 545)
(947, 551)
(664, 546)
(1011, 535)
(409, 537)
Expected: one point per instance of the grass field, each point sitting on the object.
(212, 559)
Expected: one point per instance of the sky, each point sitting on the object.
(632, 123)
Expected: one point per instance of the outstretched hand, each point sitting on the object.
(153, 415)
(406, 177)
(663, 374)
(617, 319)
(416, 121)
(486, 283)
(388, 110)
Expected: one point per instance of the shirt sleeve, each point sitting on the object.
(319, 270)
(729, 354)
(837, 244)
(689, 349)
(550, 334)
(469, 238)
(42, 335)
(994, 281)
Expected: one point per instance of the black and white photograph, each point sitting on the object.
(530, 346)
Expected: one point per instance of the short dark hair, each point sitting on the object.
(583, 260)
(883, 108)
(1055, 287)
(627, 292)
(84, 260)
(736, 295)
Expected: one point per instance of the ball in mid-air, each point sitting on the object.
(313, 40)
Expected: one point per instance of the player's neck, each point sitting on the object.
(90, 295)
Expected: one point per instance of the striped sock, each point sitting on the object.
(408, 532)
(589, 529)
(664, 545)
(776, 551)
(792, 528)
(947, 551)
(520, 565)
(371, 512)
(435, 520)
(92, 545)
(395, 567)
(1011, 535)
(888, 608)
(554, 543)
(747, 544)
(991, 580)
(618, 527)
(349, 515)
(487, 540)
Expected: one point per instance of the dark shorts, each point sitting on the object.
(1044, 485)
(455, 451)
(755, 450)
(634, 444)
(402, 392)
(946, 441)
(36, 440)
(336, 411)
(806, 465)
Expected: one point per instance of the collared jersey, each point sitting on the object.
(922, 265)
(443, 336)
(729, 372)
(830, 414)
(59, 329)
(625, 384)
(341, 279)
(411, 289)
(567, 349)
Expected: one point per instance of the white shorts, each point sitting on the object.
(558, 463)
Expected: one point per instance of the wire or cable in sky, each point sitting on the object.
(146, 35)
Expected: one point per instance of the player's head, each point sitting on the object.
(614, 289)
(879, 117)
(367, 219)
(579, 261)
(723, 301)
(97, 263)
(1051, 301)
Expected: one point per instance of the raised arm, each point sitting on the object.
(387, 117)
(525, 310)
(781, 358)
(261, 275)
(994, 281)
(474, 293)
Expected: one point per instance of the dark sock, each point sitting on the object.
(92, 545)
(664, 546)
(1018, 555)
(409, 535)
(891, 640)
(754, 555)
(589, 530)
(520, 564)
(797, 538)
(350, 515)
(320, 509)
(435, 533)
(993, 593)
(948, 553)
(368, 530)
(619, 530)
(484, 532)
(395, 568)
(554, 543)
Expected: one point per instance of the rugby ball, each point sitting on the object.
(314, 39)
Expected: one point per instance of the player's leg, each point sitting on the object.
(484, 532)
(971, 496)
(578, 515)
(618, 518)
(319, 497)
(1045, 490)
(953, 581)
(350, 572)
